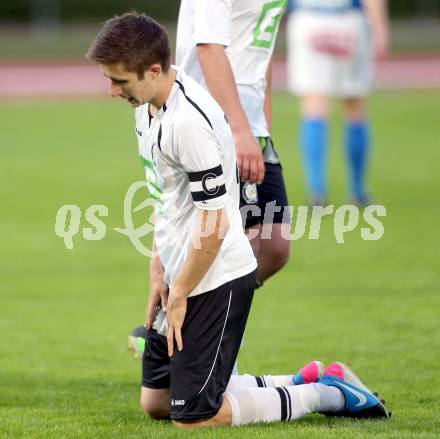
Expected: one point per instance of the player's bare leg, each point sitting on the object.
(273, 253)
(314, 106)
(313, 141)
(156, 402)
(357, 140)
(223, 417)
(254, 234)
(354, 109)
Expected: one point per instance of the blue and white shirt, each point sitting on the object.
(325, 6)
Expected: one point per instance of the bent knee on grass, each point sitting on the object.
(155, 402)
(223, 417)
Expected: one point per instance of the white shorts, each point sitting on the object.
(329, 54)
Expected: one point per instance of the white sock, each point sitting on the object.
(274, 380)
(242, 381)
(253, 404)
(331, 399)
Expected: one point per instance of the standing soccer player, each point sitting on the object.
(330, 48)
(187, 147)
(227, 46)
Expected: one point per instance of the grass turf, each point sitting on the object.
(64, 369)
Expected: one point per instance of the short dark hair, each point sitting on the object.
(133, 39)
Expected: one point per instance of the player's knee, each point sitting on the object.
(222, 417)
(153, 409)
(354, 109)
(280, 255)
(314, 106)
(273, 261)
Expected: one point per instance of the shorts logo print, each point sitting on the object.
(249, 192)
(176, 402)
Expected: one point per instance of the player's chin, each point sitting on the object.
(133, 102)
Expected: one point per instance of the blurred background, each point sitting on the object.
(58, 32)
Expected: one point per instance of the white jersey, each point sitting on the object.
(189, 158)
(248, 29)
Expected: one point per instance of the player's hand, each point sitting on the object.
(176, 312)
(249, 156)
(158, 291)
(380, 44)
(158, 295)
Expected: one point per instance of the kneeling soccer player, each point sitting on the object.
(187, 148)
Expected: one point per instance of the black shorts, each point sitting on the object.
(256, 199)
(212, 332)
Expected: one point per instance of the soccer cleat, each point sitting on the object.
(360, 402)
(136, 341)
(310, 373)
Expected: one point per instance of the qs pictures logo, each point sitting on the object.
(68, 221)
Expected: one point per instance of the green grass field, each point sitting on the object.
(65, 314)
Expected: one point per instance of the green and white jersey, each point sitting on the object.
(248, 29)
(189, 159)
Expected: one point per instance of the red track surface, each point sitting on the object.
(79, 79)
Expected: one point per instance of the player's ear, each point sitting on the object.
(155, 70)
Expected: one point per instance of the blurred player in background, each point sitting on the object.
(331, 46)
(227, 47)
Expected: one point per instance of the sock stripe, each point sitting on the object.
(259, 381)
(289, 399)
(283, 399)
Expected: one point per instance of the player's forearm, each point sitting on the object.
(220, 80)
(203, 251)
(156, 267)
(377, 14)
(268, 97)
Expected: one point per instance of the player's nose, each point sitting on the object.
(116, 90)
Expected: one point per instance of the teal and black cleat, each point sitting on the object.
(136, 341)
(360, 402)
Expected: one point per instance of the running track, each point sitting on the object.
(21, 80)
